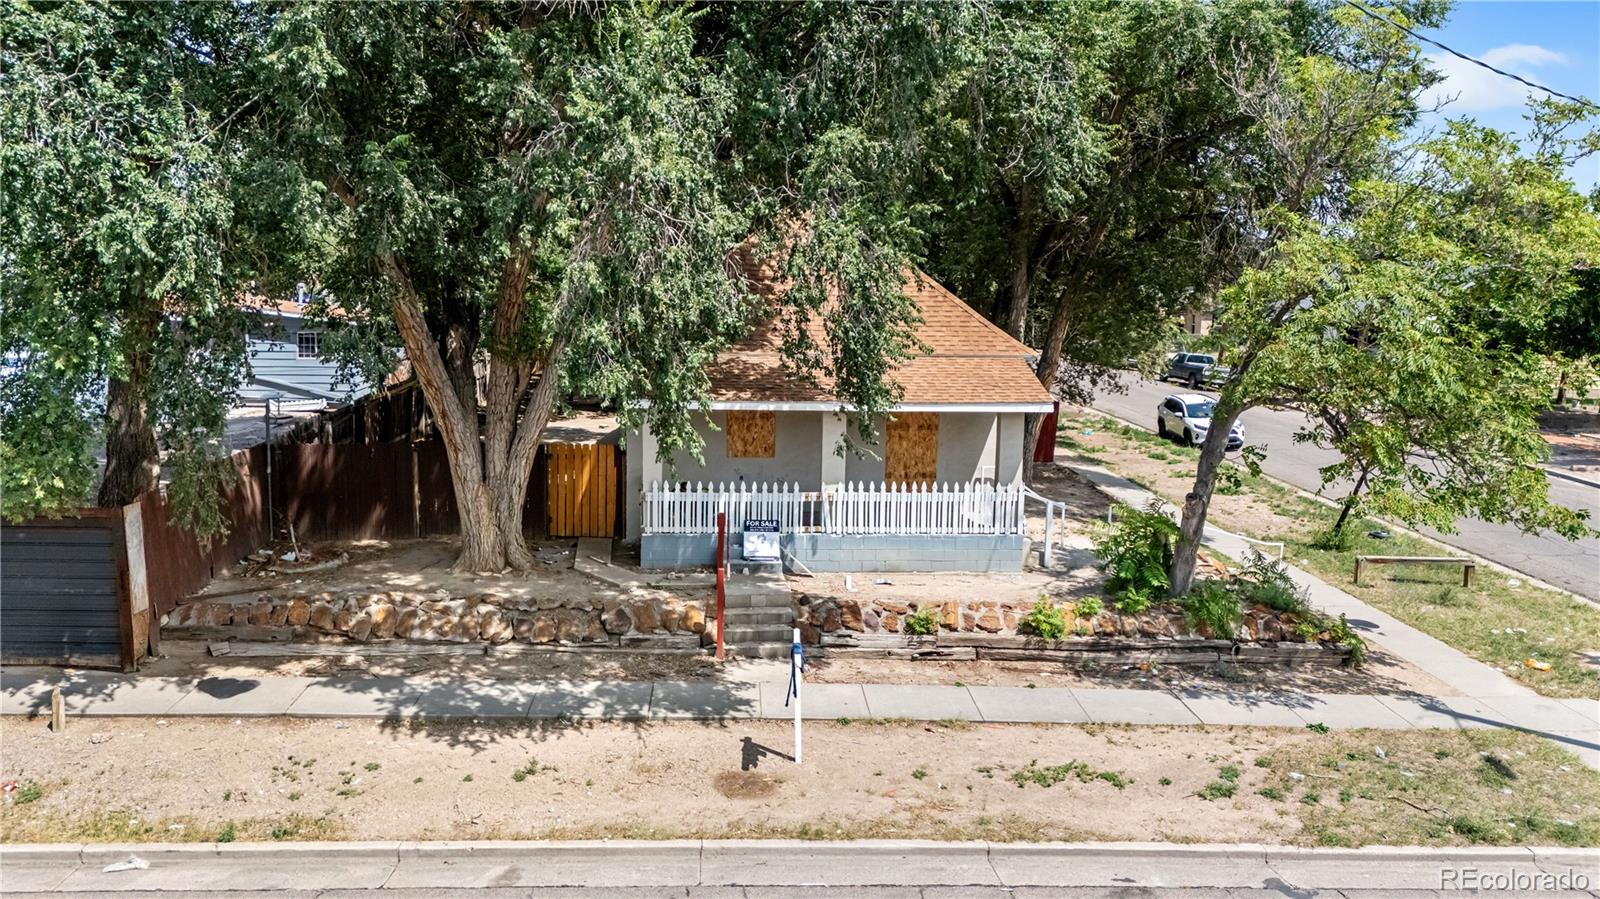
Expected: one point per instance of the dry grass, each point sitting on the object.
(884, 779)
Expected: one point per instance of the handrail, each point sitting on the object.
(1047, 555)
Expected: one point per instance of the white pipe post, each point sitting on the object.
(797, 661)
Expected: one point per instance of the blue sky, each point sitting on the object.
(1551, 43)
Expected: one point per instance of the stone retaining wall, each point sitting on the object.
(483, 617)
(817, 615)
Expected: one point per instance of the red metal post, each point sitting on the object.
(722, 580)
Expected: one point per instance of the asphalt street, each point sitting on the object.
(1573, 565)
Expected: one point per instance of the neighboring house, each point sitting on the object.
(1198, 322)
(287, 362)
(943, 490)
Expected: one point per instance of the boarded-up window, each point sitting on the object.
(752, 435)
(912, 453)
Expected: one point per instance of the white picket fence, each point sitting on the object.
(905, 509)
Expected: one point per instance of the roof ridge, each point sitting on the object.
(1023, 349)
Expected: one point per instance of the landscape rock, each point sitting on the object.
(321, 617)
(646, 619)
(850, 613)
(617, 620)
(494, 627)
(694, 620)
(406, 621)
(384, 618)
(989, 621)
(360, 628)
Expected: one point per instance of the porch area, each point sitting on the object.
(971, 526)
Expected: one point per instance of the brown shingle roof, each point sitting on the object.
(968, 360)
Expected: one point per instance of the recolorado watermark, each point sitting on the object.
(1512, 880)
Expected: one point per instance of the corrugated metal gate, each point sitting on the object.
(74, 590)
(582, 489)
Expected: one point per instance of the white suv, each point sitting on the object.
(1188, 416)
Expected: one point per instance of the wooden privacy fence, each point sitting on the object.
(885, 508)
(401, 489)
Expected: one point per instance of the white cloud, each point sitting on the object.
(1472, 88)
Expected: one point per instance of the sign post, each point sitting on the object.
(797, 668)
(722, 582)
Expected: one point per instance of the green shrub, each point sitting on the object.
(1134, 601)
(1137, 548)
(1341, 633)
(1045, 620)
(922, 622)
(1266, 582)
(1211, 606)
(1089, 606)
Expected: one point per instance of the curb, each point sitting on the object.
(1569, 476)
(97, 853)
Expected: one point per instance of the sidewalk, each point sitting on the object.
(1573, 723)
(721, 868)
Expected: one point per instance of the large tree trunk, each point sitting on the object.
(1021, 283)
(1198, 501)
(1049, 363)
(489, 466)
(133, 461)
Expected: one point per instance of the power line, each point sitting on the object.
(1475, 61)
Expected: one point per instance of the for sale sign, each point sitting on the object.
(761, 539)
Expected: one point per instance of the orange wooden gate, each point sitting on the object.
(582, 496)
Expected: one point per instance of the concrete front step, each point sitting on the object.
(765, 600)
(773, 615)
(760, 633)
(760, 650)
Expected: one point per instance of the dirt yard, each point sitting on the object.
(423, 566)
(1382, 673)
(135, 780)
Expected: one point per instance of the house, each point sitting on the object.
(942, 491)
(287, 364)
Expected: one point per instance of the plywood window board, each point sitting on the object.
(911, 454)
(751, 435)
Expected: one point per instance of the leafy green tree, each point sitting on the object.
(1321, 121)
(1385, 328)
(113, 218)
(554, 197)
(1095, 165)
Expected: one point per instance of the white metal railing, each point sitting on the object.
(1047, 554)
(854, 508)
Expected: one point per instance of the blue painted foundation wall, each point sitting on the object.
(828, 552)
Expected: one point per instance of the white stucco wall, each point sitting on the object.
(972, 445)
(797, 456)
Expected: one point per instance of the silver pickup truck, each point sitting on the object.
(1194, 369)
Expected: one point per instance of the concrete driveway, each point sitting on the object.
(1571, 564)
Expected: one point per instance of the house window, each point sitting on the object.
(307, 345)
(752, 435)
